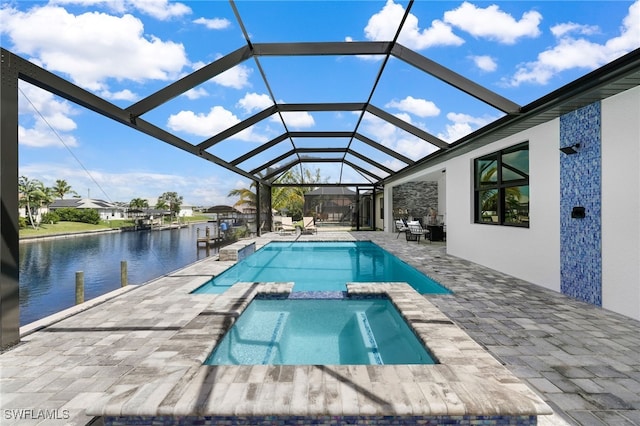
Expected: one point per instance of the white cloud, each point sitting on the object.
(122, 95)
(297, 119)
(416, 106)
(196, 93)
(252, 102)
(570, 27)
(93, 47)
(494, 24)
(213, 24)
(383, 26)
(571, 52)
(159, 9)
(207, 125)
(41, 136)
(48, 118)
(462, 125)
(485, 63)
(236, 77)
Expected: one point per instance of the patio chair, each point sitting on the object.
(287, 225)
(400, 227)
(414, 232)
(309, 224)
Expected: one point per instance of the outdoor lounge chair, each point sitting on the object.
(400, 227)
(309, 224)
(287, 225)
(414, 232)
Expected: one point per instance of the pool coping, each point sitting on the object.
(467, 380)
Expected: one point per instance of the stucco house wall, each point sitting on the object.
(534, 253)
(528, 253)
(621, 203)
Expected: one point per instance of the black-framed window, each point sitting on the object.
(501, 187)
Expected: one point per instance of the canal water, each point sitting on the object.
(48, 267)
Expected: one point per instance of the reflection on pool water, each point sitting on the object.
(320, 332)
(322, 266)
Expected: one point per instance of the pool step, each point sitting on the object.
(368, 338)
(272, 348)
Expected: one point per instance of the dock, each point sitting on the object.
(208, 239)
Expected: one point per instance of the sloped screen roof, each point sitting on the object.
(361, 111)
(358, 145)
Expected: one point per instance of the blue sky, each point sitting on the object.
(125, 50)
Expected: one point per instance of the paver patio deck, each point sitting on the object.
(583, 361)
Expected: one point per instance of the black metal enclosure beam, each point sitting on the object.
(320, 150)
(190, 81)
(325, 185)
(322, 134)
(454, 79)
(266, 166)
(238, 128)
(322, 107)
(336, 48)
(10, 243)
(370, 161)
(383, 148)
(273, 142)
(389, 118)
(362, 170)
(50, 82)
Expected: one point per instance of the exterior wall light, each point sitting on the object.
(570, 150)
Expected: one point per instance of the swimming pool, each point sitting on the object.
(322, 266)
(320, 332)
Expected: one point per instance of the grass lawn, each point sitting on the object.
(68, 227)
(60, 228)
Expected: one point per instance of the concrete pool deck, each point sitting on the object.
(583, 361)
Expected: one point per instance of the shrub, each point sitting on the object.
(22, 222)
(50, 217)
(79, 215)
(89, 216)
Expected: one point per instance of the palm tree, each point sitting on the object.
(139, 203)
(292, 197)
(61, 188)
(32, 195)
(289, 198)
(247, 196)
(171, 201)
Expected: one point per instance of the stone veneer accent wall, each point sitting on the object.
(580, 185)
(417, 197)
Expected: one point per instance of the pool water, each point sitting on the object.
(322, 266)
(319, 332)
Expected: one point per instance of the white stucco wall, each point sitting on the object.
(379, 224)
(621, 203)
(533, 253)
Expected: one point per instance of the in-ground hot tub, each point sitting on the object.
(466, 386)
(318, 331)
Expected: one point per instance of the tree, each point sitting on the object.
(291, 198)
(171, 201)
(61, 188)
(139, 203)
(32, 195)
(247, 196)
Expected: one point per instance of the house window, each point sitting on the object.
(501, 187)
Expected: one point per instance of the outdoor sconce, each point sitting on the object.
(570, 150)
(578, 212)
